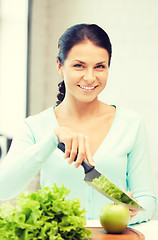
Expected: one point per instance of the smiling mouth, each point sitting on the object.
(87, 88)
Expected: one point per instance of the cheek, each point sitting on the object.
(103, 78)
(104, 84)
(72, 77)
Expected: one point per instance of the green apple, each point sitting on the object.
(114, 218)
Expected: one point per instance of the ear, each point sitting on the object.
(59, 67)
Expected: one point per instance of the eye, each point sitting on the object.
(78, 66)
(100, 66)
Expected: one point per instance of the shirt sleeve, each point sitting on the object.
(139, 177)
(23, 161)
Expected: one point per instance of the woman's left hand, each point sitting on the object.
(133, 213)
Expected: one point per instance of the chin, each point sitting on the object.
(87, 100)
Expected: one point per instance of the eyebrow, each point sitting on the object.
(78, 61)
(101, 62)
(85, 63)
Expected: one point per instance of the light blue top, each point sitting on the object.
(122, 157)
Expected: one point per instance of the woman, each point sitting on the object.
(110, 136)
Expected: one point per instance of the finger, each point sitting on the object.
(68, 146)
(73, 150)
(129, 194)
(88, 152)
(133, 213)
(81, 150)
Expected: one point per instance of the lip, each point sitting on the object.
(87, 88)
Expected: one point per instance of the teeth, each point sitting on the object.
(87, 88)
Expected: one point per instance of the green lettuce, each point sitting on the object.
(45, 214)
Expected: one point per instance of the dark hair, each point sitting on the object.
(75, 35)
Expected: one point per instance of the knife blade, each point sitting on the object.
(104, 186)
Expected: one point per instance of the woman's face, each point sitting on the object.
(85, 71)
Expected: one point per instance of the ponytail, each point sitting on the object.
(61, 93)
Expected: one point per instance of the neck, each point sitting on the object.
(79, 110)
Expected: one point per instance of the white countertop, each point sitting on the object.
(149, 229)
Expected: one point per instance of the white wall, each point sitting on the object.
(13, 52)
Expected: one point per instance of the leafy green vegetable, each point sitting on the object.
(111, 189)
(44, 215)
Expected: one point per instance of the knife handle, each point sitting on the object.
(85, 164)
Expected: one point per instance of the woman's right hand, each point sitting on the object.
(75, 143)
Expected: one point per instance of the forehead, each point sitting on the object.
(87, 50)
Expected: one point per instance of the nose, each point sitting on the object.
(89, 76)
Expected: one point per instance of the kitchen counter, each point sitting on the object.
(148, 229)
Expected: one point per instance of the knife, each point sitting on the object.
(103, 185)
